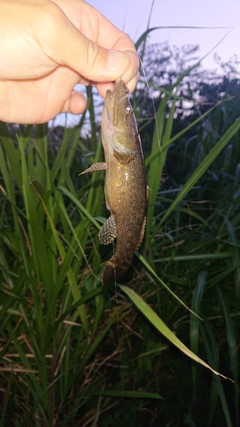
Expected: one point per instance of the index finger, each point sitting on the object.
(97, 28)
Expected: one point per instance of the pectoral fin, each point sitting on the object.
(108, 231)
(100, 166)
(124, 157)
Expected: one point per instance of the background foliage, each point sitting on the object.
(73, 353)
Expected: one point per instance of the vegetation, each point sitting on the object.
(75, 354)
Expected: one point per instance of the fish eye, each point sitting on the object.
(128, 110)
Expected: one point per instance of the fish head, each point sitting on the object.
(118, 119)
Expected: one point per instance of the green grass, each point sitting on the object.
(74, 353)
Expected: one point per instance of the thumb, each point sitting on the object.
(91, 60)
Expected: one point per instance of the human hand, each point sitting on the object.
(47, 47)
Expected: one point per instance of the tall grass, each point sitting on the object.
(69, 349)
(48, 332)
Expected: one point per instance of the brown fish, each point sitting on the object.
(125, 182)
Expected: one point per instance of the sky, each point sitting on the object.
(131, 16)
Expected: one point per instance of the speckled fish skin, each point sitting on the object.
(125, 182)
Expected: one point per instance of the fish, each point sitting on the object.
(125, 182)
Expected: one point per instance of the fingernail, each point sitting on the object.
(115, 60)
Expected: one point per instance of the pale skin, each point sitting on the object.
(47, 47)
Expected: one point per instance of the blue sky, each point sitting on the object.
(132, 17)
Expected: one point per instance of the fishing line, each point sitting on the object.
(118, 326)
(154, 117)
(115, 279)
(117, 322)
(116, 300)
(153, 104)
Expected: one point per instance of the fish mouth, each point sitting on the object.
(116, 99)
